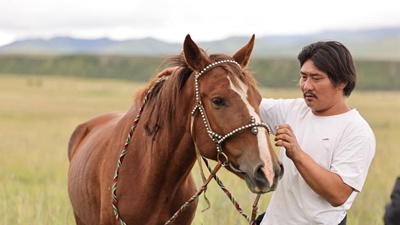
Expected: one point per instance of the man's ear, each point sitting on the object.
(342, 85)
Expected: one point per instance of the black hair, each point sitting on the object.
(333, 58)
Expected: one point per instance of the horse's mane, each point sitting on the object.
(161, 105)
(164, 98)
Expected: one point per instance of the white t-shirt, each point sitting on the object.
(344, 144)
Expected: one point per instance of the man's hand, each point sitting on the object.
(285, 138)
(167, 71)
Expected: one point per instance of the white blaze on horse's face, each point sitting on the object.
(261, 136)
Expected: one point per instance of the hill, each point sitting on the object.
(269, 72)
(376, 44)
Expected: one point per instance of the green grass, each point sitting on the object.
(38, 114)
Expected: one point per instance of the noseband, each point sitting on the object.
(215, 137)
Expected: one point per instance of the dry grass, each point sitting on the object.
(37, 115)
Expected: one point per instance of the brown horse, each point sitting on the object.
(210, 109)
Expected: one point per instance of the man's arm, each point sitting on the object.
(325, 183)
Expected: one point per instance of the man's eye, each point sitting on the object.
(218, 102)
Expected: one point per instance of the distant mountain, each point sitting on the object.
(59, 45)
(380, 43)
(67, 45)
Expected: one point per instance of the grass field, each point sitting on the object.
(38, 114)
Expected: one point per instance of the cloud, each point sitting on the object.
(172, 20)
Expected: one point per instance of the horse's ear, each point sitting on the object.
(195, 58)
(243, 55)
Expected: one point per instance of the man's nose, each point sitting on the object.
(308, 85)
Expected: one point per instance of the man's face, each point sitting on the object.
(320, 94)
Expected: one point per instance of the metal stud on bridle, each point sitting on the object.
(217, 138)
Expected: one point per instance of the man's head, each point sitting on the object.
(333, 58)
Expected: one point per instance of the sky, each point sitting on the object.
(172, 20)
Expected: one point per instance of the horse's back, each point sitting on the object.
(83, 130)
(87, 149)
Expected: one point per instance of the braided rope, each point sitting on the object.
(191, 200)
(225, 190)
(122, 155)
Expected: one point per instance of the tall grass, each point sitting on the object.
(38, 114)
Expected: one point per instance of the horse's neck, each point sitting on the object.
(156, 170)
(163, 147)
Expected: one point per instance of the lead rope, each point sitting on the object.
(255, 210)
(233, 200)
(194, 197)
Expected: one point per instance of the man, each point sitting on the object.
(392, 209)
(326, 146)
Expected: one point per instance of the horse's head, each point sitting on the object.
(226, 123)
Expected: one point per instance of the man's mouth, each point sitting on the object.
(309, 95)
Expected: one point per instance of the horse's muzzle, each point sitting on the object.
(259, 184)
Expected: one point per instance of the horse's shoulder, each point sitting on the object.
(83, 129)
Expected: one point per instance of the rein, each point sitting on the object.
(235, 203)
(217, 139)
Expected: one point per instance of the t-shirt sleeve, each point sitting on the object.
(274, 111)
(354, 156)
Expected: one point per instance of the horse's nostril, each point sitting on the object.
(281, 171)
(259, 174)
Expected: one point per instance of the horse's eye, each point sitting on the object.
(218, 102)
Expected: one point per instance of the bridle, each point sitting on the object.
(215, 137)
